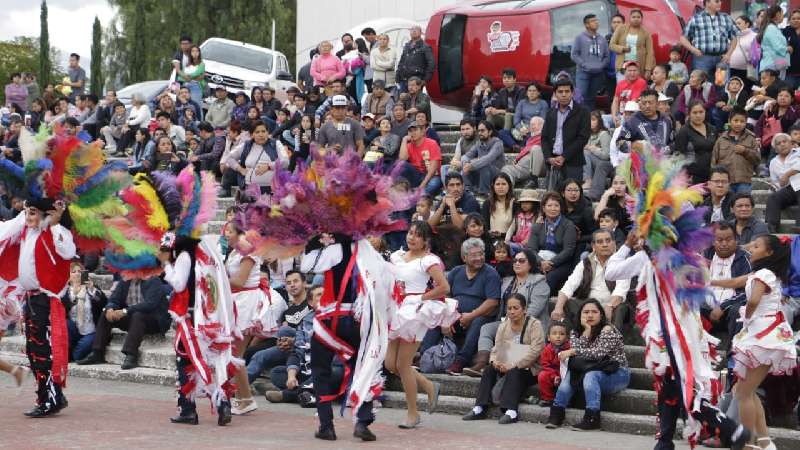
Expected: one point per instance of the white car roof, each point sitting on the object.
(239, 43)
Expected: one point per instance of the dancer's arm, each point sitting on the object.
(177, 275)
(621, 267)
(733, 283)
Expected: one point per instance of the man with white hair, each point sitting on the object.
(416, 60)
(529, 163)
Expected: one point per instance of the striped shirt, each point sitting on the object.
(711, 34)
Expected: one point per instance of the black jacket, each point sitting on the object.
(726, 205)
(741, 266)
(416, 60)
(583, 218)
(566, 241)
(98, 301)
(575, 132)
(209, 153)
(155, 299)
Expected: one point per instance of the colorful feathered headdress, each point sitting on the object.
(334, 194)
(665, 217)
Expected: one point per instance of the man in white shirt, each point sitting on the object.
(785, 172)
(588, 281)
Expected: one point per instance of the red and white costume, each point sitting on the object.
(258, 306)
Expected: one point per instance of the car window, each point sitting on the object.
(498, 6)
(566, 23)
(148, 90)
(451, 42)
(237, 55)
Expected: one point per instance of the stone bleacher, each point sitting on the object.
(631, 411)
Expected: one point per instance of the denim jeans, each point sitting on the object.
(595, 384)
(589, 84)
(741, 188)
(80, 344)
(706, 63)
(195, 92)
(415, 177)
(270, 357)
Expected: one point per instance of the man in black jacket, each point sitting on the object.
(138, 306)
(719, 199)
(416, 60)
(566, 132)
(210, 151)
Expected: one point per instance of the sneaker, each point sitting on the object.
(274, 396)
(242, 406)
(457, 368)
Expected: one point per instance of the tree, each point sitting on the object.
(45, 64)
(96, 75)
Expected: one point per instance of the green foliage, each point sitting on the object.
(21, 54)
(141, 40)
(45, 68)
(95, 71)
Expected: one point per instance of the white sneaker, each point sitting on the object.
(243, 406)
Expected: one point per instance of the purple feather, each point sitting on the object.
(164, 184)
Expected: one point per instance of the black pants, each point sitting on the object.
(517, 382)
(39, 351)
(321, 373)
(127, 139)
(183, 364)
(137, 325)
(230, 178)
(777, 202)
(670, 409)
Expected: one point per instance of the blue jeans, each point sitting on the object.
(471, 336)
(507, 138)
(706, 63)
(589, 84)
(741, 188)
(270, 357)
(415, 177)
(195, 92)
(81, 344)
(595, 384)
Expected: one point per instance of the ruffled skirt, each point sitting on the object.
(414, 317)
(254, 314)
(760, 343)
(10, 308)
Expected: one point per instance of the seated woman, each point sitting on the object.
(614, 198)
(84, 305)
(579, 211)
(481, 99)
(530, 107)
(258, 160)
(596, 362)
(554, 242)
(597, 168)
(514, 359)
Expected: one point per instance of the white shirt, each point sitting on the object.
(778, 167)
(598, 289)
(721, 270)
(177, 275)
(234, 263)
(321, 259)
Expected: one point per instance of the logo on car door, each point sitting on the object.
(502, 41)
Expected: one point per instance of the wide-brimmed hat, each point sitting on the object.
(530, 195)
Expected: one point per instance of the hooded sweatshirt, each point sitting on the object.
(590, 53)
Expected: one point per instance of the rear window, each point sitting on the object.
(451, 42)
(237, 55)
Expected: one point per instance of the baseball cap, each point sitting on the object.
(339, 100)
(630, 63)
(370, 115)
(663, 98)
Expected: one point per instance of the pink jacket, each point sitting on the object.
(325, 67)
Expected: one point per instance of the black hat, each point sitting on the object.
(42, 204)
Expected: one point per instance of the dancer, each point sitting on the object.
(258, 310)
(765, 345)
(419, 309)
(672, 284)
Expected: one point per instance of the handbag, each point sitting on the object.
(439, 357)
(578, 366)
(752, 73)
(511, 353)
(772, 126)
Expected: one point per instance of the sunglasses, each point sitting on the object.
(520, 260)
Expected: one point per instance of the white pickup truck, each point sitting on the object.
(239, 66)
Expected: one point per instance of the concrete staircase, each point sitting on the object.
(630, 411)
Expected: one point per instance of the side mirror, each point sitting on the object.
(284, 76)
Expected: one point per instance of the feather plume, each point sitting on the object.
(165, 186)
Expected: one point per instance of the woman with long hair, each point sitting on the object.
(614, 198)
(194, 75)
(579, 211)
(597, 150)
(774, 50)
(696, 141)
(421, 279)
(499, 209)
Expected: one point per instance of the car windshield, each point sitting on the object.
(148, 90)
(237, 55)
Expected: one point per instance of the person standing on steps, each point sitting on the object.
(420, 309)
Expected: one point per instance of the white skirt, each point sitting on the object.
(10, 307)
(414, 317)
(255, 316)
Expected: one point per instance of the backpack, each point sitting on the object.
(439, 357)
(755, 53)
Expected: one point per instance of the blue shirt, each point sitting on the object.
(471, 293)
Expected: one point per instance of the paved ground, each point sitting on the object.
(105, 414)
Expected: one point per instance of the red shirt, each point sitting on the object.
(428, 150)
(627, 91)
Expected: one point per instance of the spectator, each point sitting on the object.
(517, 374)
(143, 150)
(220, 109)
(612, 73)
(423, 158)
(415, 61)
(529, 163)
(29, 80)
(258, 159)
(175, 132)
(189, 122)
(747, 227)
(660, 82)
(481, 99)
(355, 58)
(591, 57)
(193, 75)
(241, 103)
(468, 138)
(140, 308)
(520, 230)
(527, 108)
(792, 34)
(628, 89)
(499, 209)
(184, 101)
(632, 42)
(270, 107)
(182, 57)
(383, 60)
(696, 142)
(235, 139)
(483, 161)
(678, 72)
(598, 165)
(377, 102)
(476, 286)
(774, 50)
(710, 36)
(597, 362)
(415, 100)
(304, 79)
(326, 67)
(38, 111)
(554, 241)
(400, 121)
(579, 211)
(166, 158)
(337, 88)
(550, 376)
(607, 220)
(386, 145)
(733, 96)
(566, 131)
(84, 306)
(784, 170)
(16, 93)
(474, 227)
(770, 85)
(615, 198)
(422, 120)
(112, 133)
(784, 109)
(341, 132)
(740, 58)
(211, 147)
(737, 150)
(370, 129)
(455, 205)
(138, 117)
(77, 76)
(719, 199)
(588, 281)
(698, 88)
(504, 102)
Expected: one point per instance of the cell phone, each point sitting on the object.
(84, 277)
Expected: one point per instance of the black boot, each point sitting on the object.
(39, 411)
(591, 421)
(186, 417)
(93, 358)
(224, 413)
(556, 418)
(130, 362)
(362, 432)
(326, 434)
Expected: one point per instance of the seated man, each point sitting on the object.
(746, 226)
(727, 260)
(140, 308)
(176, 133)
(476, 286)
(719, 198)
(298, 308)
(588, 281)
(529, 164)
(456, 204)
(422, 159)
(483, 161)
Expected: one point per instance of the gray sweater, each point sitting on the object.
(484, 154)
(590, 53)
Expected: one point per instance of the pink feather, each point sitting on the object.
(208, 198)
